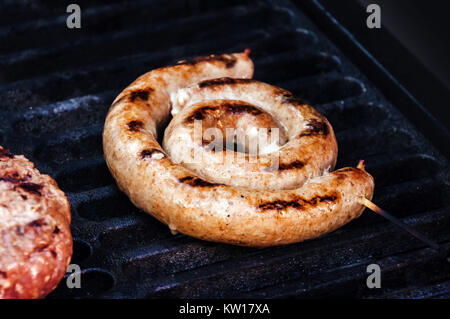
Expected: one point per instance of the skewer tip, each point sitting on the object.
(361, 165)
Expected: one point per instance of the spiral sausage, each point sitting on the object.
(310, 151)
(298, 201)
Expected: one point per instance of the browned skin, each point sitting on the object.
(212, 210)
(307, 147)
(35, 238)
(223, 114)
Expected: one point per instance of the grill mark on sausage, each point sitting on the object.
(230, 108)
(32, 188)
(200, 114)
(37, 223)
(228, 60)
(346, 169)
(293, 165)
(297, 203)
(141, 94)
(135, 126)
(4, 152)
(238, 108)
(316, 127)
(221, 81)
(290, 98)
(148, 153)
(196, 182)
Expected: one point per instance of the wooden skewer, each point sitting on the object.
(373, 207)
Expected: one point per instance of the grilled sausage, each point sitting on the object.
(311, 149)
(212, 208)
(35, 238)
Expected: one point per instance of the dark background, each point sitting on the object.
(423, 28)
(413, 45)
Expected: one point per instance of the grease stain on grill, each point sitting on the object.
(196, 182)
(297, 203)
(316, 127)
(135, 126)
(227, 59)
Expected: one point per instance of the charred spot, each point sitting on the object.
(230, 108)
(140, 95)
(22, 183)
(149, 153)
(346, 169)
(56, 230)
(54, 254)
(4, 152)
(196, 182)
(42, 248)
(200, 114)
(221, 81)
(297, 203)
(12, 179)
(135, 126)
(290, 98)
(37, 223)
(316, 127)
(228, 60)
(280, 205)
(293, 165)
(238, 108)
(328, 199)
(2, 274)
(32, 188)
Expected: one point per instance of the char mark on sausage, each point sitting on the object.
(316, 127)
(297, 203)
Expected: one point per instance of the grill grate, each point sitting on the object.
(57, 85)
